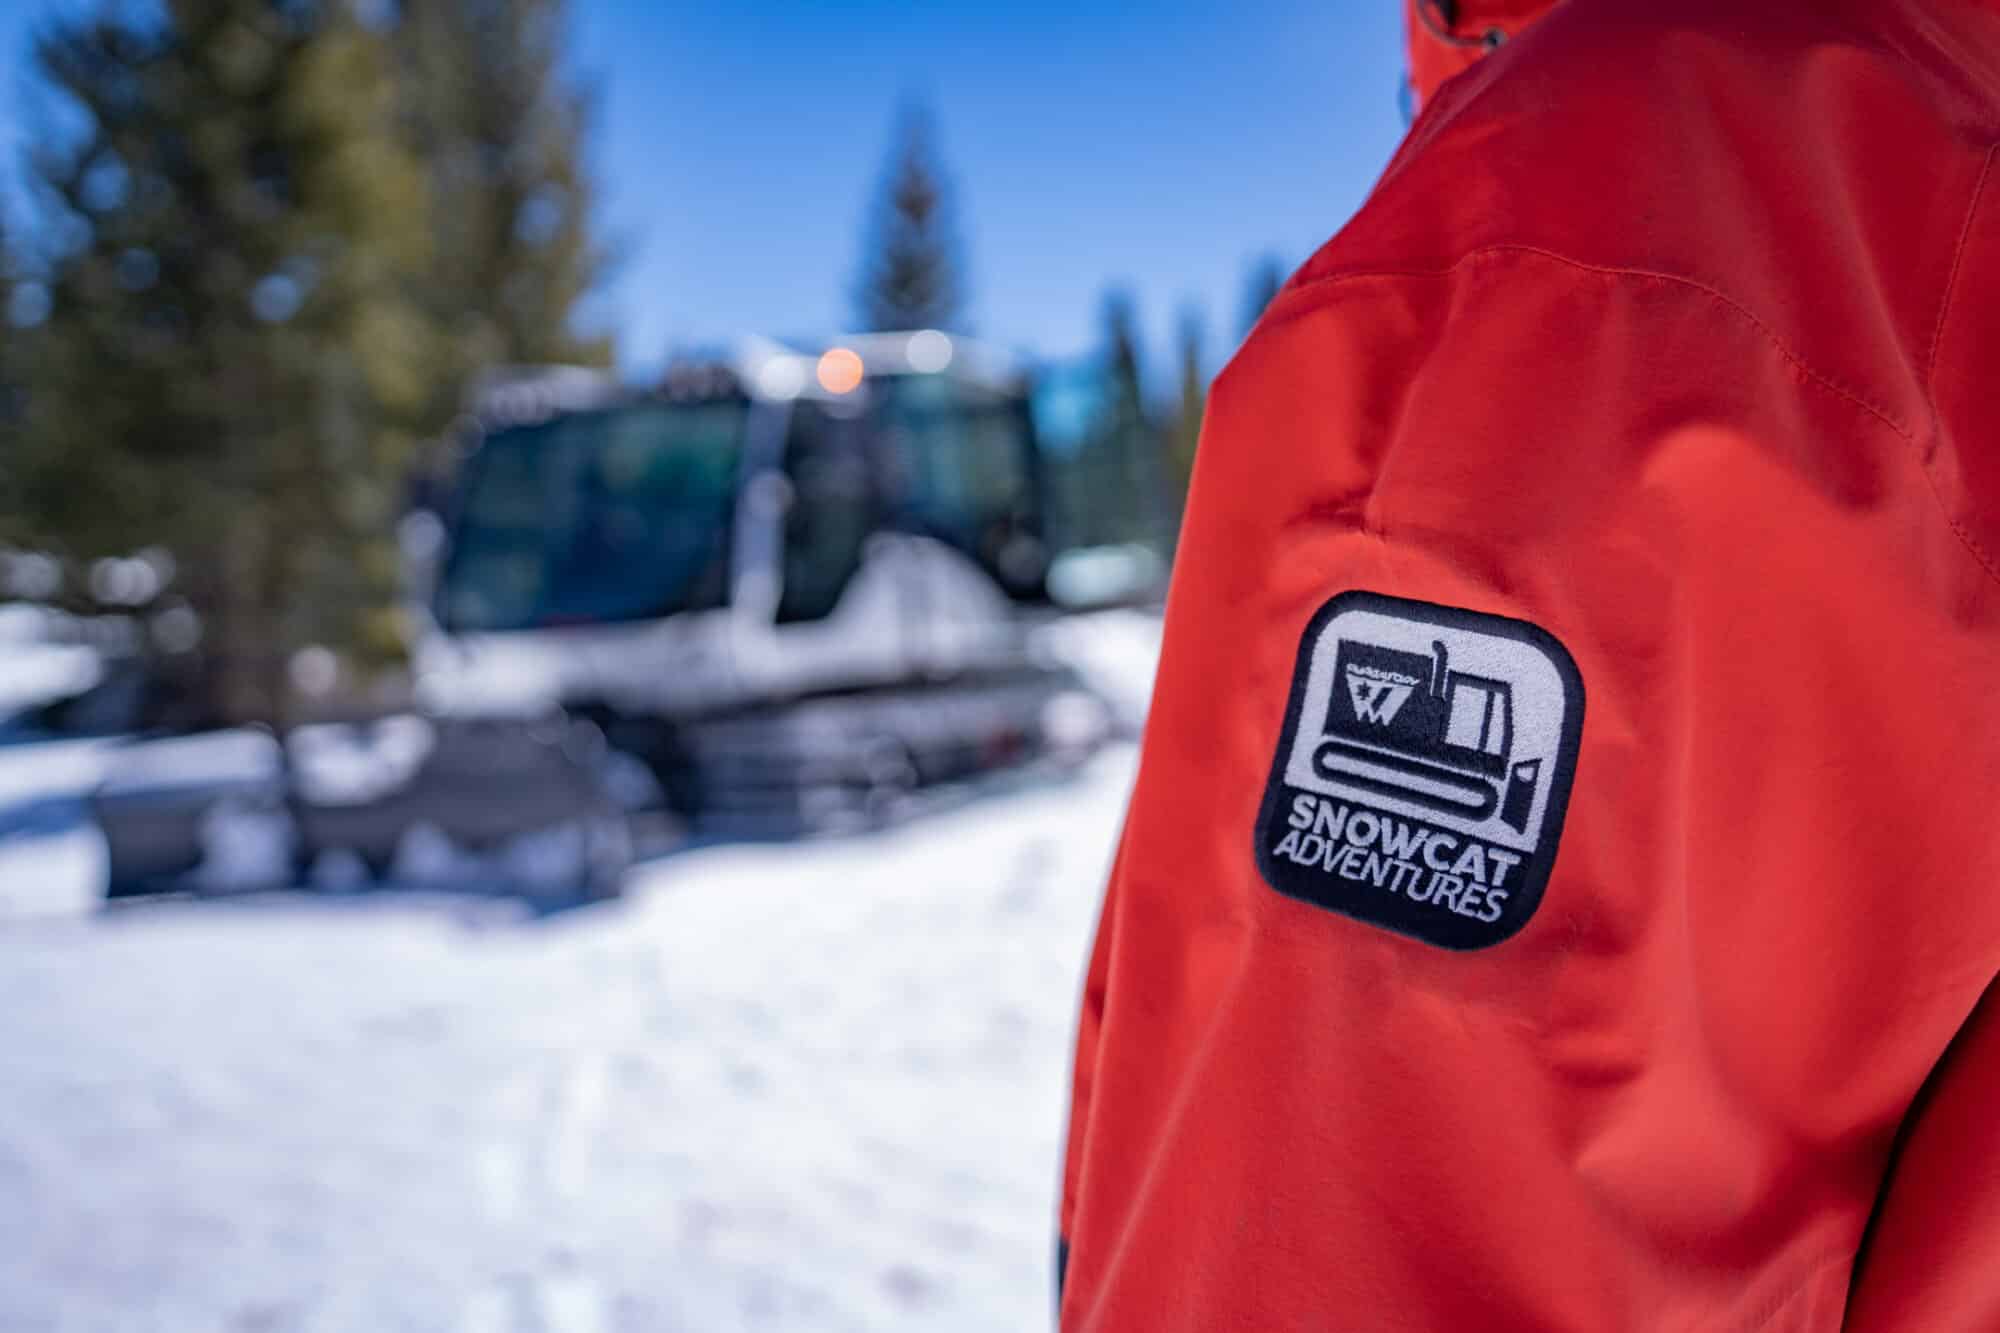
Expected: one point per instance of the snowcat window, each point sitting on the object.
(597, 517)
(960, 463)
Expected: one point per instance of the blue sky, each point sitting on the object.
(1164, 147)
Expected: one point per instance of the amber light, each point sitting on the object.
(840, 371)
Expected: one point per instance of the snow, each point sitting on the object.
(40, 661)
(337, 764)
(813, 1086)
(246, 843)
(42, 786)
(40, 673)
(1114, 651)
(808, 1086)
(244, 756)
(55, 875)
(1102, 575)
(54, 773)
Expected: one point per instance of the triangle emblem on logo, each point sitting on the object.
(1376, 700)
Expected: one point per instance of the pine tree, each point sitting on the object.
(500, 130)
(1121, 355)
(7, 323)
(1129, 465)
(13, 371)
(229, 362)
(911, 276)
(1185, 432)
(1267, 278)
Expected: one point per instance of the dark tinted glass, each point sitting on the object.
(832, 512)
(960, 466)
(601, 516)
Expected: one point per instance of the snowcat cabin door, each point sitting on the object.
(959, 466)
(831, 507)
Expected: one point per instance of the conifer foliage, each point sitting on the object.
(912, 275)
(286, 235)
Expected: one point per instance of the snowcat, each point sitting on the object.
(785, 591)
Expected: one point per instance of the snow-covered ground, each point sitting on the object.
(35, 665)
(815, 1086)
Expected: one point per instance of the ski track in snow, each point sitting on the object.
(817, 1086)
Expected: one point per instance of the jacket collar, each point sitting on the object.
(1447, 37)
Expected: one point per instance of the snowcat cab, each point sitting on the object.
(795, 575)
(778, 593)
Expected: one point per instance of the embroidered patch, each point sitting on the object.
(1423, 770)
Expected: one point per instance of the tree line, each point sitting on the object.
(284, 240)
(260, 278)
(913, 275)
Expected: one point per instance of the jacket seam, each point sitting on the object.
(1925, 456)
(1798, 363)
(1951, 278)
(1771, 335)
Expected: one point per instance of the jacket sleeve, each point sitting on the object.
(1928, 1261)
(1660, 1088)
(1089, 1027)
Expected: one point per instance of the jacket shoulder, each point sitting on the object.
(1808, 165)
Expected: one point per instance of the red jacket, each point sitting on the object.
(1562, 887)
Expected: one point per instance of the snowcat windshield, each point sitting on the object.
(615, 515)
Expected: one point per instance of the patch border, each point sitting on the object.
(1568, 747)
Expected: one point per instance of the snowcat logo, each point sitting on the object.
(1423, 770)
